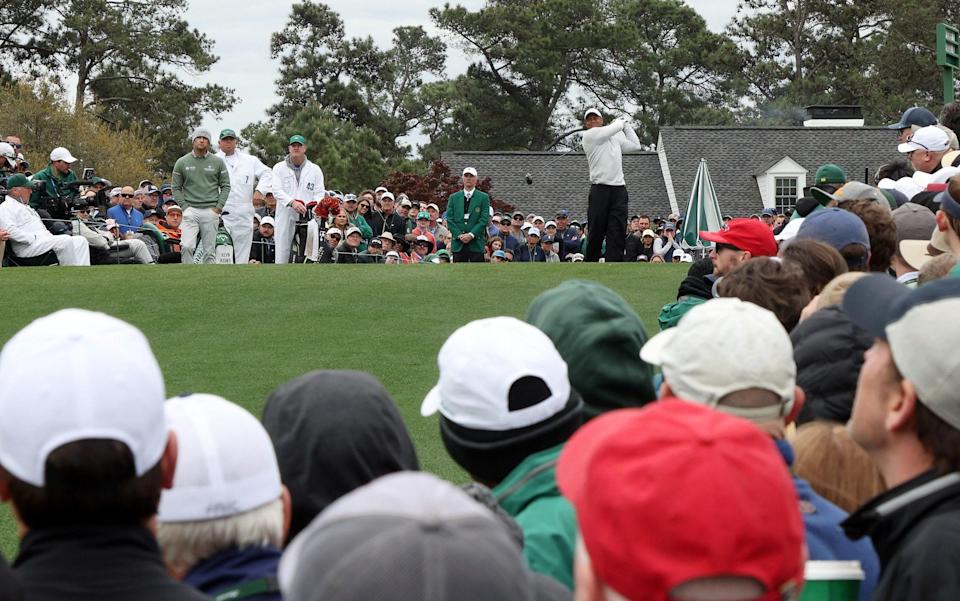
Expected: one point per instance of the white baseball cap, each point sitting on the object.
(533, 231)
(7, 152)
(591, 111)
(335, 230)
(470, 171)
(387, 195)
(226, 464)
(62, 154)
(268, 220)
(84, 400)
(551, 224)
(722, 346)
(382, 189)
(930, 138)
(526, 225)
(466, 393)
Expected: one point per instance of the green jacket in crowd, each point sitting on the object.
(54, 184)
(200, 182)
(476, 222)
(530, 495)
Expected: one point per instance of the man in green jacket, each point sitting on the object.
(201, 186)
(468, 213)
(55, 176)
(508, 431)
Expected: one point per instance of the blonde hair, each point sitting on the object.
(835, 466)
(185, 544)
(832, 293)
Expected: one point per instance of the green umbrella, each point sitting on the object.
(703, 211)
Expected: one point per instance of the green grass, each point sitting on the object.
(240, 331)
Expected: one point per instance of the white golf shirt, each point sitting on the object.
(604, 147)
(21, 222)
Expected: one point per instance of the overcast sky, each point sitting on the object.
(241, 34)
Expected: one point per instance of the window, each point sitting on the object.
(785, 194)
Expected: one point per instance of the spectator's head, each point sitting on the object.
(334, 236)
(500, 404)
(950, 117)
(770, 283)
(881, 231)
(85, 450)
(387, 242)
(912, 119)
(533, 236)
(151, 216)
(563, 219)
(742, 240)
(341, 219)
(819, 262)
(516, 220)
(768, 216)
(166, 193)
(423, 220)
(19, 187)
(403, 206)
(350, 203)
(267, 227)
(677, 501)
(912, 223)
(551, 228)
(835, 466)
(498, 256)
(925, 148)
(833, 292)
(226, 493)
(906, 412)
(948, 217)
(127, 197)
(422, 245)
(270, 201)
(422, 537)
(731, 355)
(387, 202)
(353, 237)
(61, 160)
(937, 268)
(138, 198)
(599, 336)
(334, 431)
(842, 230)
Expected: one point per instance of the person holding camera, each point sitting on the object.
(201, 186)
(55, 175)
(25, 230)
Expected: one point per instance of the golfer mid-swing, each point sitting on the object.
(607, 207)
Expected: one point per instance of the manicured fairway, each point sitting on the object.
(240, 331)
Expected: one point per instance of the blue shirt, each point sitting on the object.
(232, 567)
(128, 222)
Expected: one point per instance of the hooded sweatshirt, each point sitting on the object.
(334, 431)
(599, 336)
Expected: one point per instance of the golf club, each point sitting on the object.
(529, 176)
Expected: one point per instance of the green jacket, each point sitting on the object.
(548, 521)
(671, 313)
(365, 230)
(54, 184)
(200, 182)
(476, 222)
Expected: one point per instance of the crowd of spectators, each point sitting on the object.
(794, 423)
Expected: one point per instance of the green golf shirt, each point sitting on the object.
(200, 182)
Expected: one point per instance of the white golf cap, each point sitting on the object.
(84, 400)
(722, 346)
(7, 152)
(387, 195)
(268, 220)
(405, 202)
(334, 230)
(226, 464)
(526, 225)
(467, 394)
(533, 231)
(551, 224)
(62, 154)
(353, 230)
(591, 111)
(930, 138)
(470, 171)
(382, 189)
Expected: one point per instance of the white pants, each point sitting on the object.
(71, 250)
(239, 222)
(199, 224)
(138, 250)
(286, 227)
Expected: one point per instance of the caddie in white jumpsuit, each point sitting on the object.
(249, 179)
(296, 183)
(29, 238)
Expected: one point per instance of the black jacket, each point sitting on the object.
(917, 539)
(334, 431)
(9, 586)
(828, 349)
(263, 249)
(631, 247)
(96, 563)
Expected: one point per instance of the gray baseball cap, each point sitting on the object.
(409, 535)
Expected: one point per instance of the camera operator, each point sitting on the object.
(8, 160)
(26, 232)
(56, 176)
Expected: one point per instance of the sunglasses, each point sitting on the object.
(336, 236)
(364, 205)
(17, 146)
(721, 246)
(126, 195)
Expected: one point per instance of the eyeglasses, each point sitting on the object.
(364, 205)
(335, 237)
(721, 246)
(910, 140)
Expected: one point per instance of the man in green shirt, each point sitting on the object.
(55, 176)
(201, 185)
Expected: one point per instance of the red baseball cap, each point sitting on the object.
(676, 492)
(750, 235)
